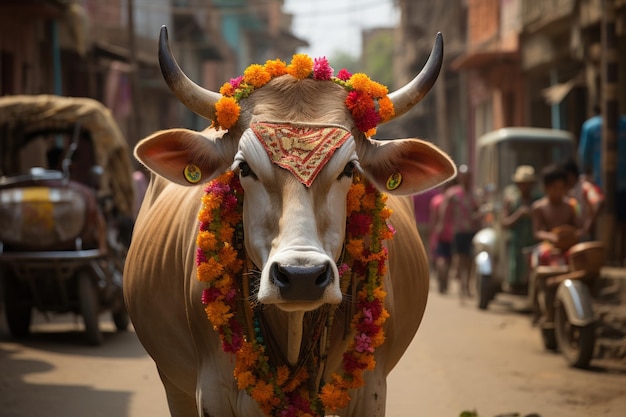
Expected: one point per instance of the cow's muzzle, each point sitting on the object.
(301, 283)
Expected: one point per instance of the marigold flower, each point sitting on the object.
(276, 67)
(301, 66)
(355, 247)
(209, 270)
(256, 75)
(386, 109)
(227, 111)
(262, 392)
(245, 379)
(227, 89)
(361, 82)
(370, 132)
(334, 397)
(206, 241)
(218, 313)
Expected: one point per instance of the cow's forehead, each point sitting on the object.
(303, 149)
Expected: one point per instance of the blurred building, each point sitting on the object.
(108, 51)
(507, 62)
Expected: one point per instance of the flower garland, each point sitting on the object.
(277, 391)
(364, 95)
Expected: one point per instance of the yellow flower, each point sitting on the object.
(256, 75)
(206, 241)
(385, 108)
(360, 82)
(227, 111)
(218, 313)
(301, 66)
(377, 90)
(276, 67)
(208, 271)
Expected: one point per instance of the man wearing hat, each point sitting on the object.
(517, 219)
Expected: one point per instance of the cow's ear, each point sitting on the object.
(184, 156)
(405, 166)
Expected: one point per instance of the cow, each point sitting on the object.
(293, 238)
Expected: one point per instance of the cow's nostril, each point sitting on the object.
(280, 276)
(302, 283)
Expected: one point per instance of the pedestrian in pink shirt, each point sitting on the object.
(441, 238)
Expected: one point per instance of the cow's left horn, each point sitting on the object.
(199, 100)
(408, 96)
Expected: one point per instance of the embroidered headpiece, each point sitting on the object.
(367, 100)
(301, 149)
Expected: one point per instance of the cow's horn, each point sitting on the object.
(412, 93)
(199, 100)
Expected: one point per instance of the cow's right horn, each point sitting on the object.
(199, 100)
(408, 96)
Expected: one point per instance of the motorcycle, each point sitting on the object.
(564, 297)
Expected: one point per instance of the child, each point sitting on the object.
(554, 217)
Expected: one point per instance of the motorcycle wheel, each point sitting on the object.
(548, 335)
(577, 343)
(484, 291)
(89, 308)
(18, 312)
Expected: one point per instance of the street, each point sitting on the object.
(492, 362)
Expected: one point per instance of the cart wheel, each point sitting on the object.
(121, 320)
(576, 342)
(484, 291)
(89, 308)
(548, 336)
(17, 310)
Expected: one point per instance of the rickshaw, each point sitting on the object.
(66, 210)
(498, 154)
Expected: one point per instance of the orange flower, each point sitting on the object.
(256, 75)
(245, 379)
(227, 111)
(228, 255)
(206, 241)
(369, 201)
(208, 271)
(301, 66)
(370, 132)
(334, 397)
(385, 109)
(227, 89)
(226, 233)
(354, 198)
(282, 375)
(276, 67)
(218, 313)
(262, 392)
(360, 82)
(355, 248)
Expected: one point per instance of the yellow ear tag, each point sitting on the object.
(192, 173)
(394, 181)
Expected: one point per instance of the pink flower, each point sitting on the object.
(343, 268)
(363, 343)
(322, 69)
(344, 74)
(200, 257)
(236, 82)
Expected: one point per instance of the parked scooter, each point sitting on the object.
(564, 294)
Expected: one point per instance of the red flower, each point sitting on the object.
(344, 74)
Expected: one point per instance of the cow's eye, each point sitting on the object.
(245, 170)
(348, 170)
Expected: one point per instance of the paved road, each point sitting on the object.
(461, 359)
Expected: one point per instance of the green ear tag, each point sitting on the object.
(394, 181)
(192, 173)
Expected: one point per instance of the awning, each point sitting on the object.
(556, 93)
(482, 58)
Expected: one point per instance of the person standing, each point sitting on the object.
(459, 203)
(517, 220)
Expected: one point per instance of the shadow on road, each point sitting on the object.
(24, 399)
